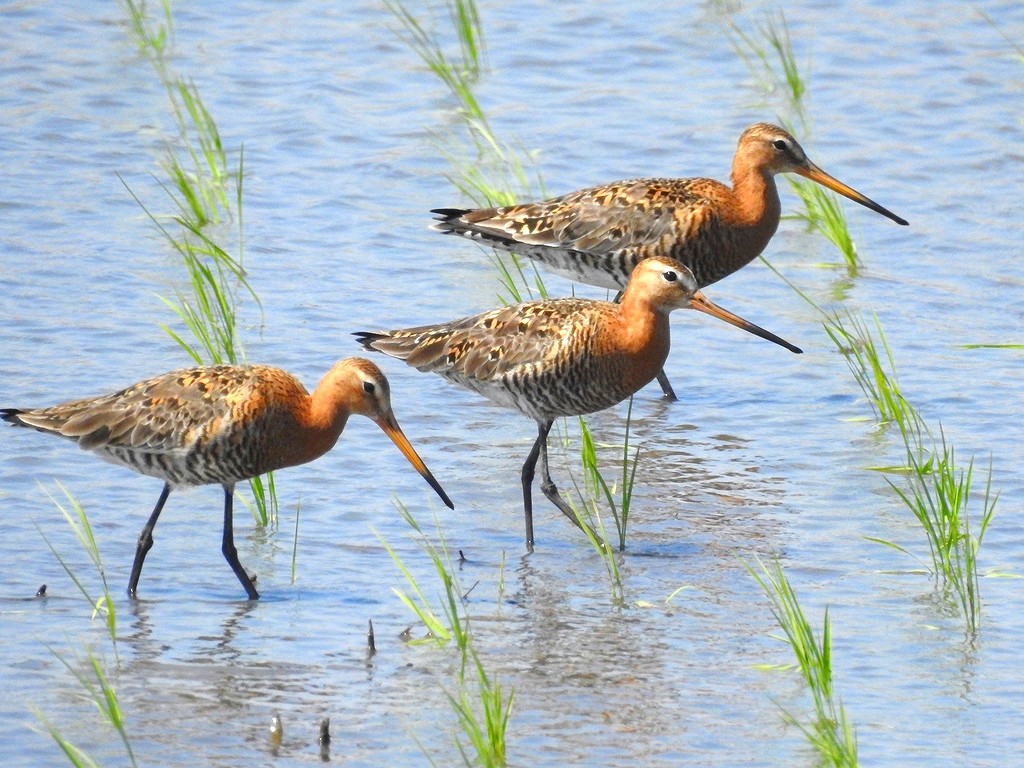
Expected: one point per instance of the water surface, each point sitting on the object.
(765, 455)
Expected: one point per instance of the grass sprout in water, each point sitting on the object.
(453, 624)
(596, 481)
(938, 495)
(873, 368)
(769, 55)
(938, 491)
(824, 214)
(591, 522)
(79, 522)
(830, 732)
(101, 693)
(483, 718)
(479, 702)
(198, 182)
(597, 488)
(495, 174)
(94, 681)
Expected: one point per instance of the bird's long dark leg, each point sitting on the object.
(228, 545)
(146, 540)
(547, 485)
(666, 385)
(528, 472)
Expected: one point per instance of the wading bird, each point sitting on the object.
(222, 424)
(560, 357)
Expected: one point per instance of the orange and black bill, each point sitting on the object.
(702, 303)
(814, 173)
(392, 430)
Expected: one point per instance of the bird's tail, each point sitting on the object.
(446, 220)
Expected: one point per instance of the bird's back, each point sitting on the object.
(211, 424)
(545, 358)
(598, 235)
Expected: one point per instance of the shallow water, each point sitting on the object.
(916, 105)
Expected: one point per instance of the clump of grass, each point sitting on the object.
(591, 522)
(459, 73)
(102, 694)
(938, 495)
(202, 181)
(199, 176)
(483, 720)
(830, 731)
(479, 701)
(769, 54)
(496, 173)
(873, 368)
(596, 482)
(824, 214)
(78, 520)
(95, 683)
(453, 624)
(938, 491)
(617, 495)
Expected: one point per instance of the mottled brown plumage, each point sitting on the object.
(598, 235)
(561, 357)
(222, 424)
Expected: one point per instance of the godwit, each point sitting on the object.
(598, 235)
(561, 357)
(222, 424)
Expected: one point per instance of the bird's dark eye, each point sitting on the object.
(368, 387)
(670, 275)
(780, 144)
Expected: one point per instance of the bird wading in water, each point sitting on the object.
(560, 357)
(222, 424)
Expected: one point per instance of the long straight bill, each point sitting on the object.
(814, 173)
(392, 430)
(702, 303)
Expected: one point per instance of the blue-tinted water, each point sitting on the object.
(766, 454)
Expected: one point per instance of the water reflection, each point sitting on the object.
(225, 681)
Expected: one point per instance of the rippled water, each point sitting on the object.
(917, 105)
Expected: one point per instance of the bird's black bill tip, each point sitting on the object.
(769, 336)
(872, 205)
(814, 173)
(439, 490)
